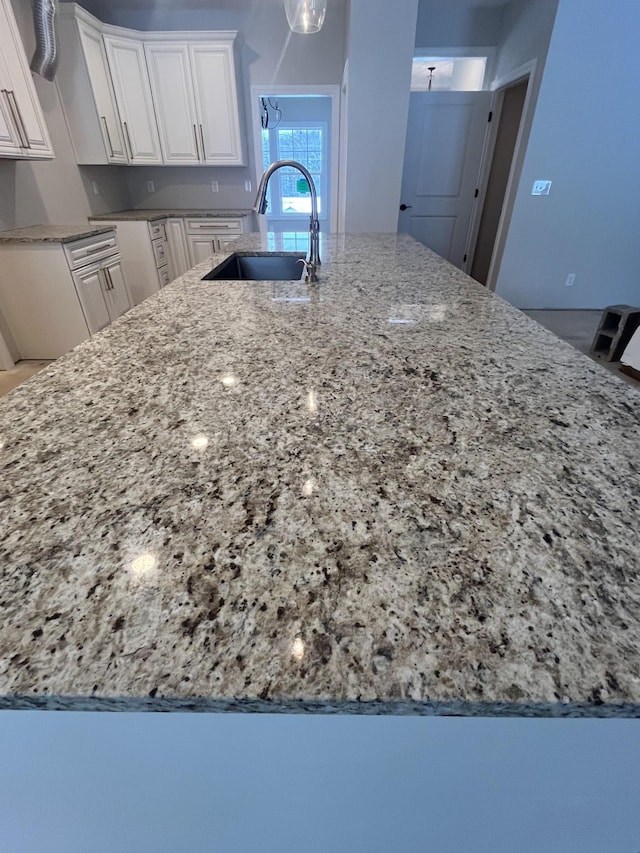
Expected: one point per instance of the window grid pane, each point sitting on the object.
(305, 146)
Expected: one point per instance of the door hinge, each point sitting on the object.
(464, 260)
(490, 115)
(475, 195)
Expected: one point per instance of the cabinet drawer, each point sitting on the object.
(160, 253)
(163, 276)
(157, 231)
(81, 252)
(209, 225)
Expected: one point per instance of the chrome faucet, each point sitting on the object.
(260, 206)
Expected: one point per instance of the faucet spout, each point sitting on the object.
(260, 206)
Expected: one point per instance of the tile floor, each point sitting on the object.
(10, 379)
(578, 328)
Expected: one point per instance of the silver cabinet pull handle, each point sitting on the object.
(106, 130)
(204, 150)
(99, 248)
(17, 117)
(108, 277)
(126, 133)
(195, 134)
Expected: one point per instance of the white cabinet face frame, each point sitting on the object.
(97, 68)
(172, 88)
(133, 95)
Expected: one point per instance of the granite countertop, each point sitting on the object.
(391, 492)
(152, 215)
(51, 233)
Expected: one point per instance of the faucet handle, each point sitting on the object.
(310, 269)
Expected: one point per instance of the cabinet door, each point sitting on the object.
(172, 89)
(91, 293)
(9, 139)
(179, 261)
(217, 103)
(200, 248)
(96, 60)
(116, 294)
(20, 90)
(133, 97)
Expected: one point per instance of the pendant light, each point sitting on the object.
(305, 16)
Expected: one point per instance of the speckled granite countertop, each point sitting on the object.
(152, 215)
(51, 233)
(388, 493)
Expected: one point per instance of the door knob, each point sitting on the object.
(405, 206)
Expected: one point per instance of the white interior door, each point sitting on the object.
(445, 139)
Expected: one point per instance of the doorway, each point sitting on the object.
(446, 134)
(513, 102)
(297, 123)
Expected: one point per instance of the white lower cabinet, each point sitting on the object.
(145, 256)
(208, 235)
(102, 292)
(177, 246)
(54, 296)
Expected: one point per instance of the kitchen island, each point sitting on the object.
(390, 492)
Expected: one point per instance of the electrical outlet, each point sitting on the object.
(96, 188)
(247, 186)
(151, 187)
(570, 279)
(215, 187)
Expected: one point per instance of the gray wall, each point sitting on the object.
(53, 191)
(525, 33)
(584, 138)
(464, 23)
(294, 783)
(380, 50)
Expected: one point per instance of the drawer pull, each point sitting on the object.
(106, 130)
(99, 248)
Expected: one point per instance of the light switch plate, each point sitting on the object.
(151, 187)
(541, 188)
(215, 187)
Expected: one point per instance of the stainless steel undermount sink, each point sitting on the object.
(257, 267)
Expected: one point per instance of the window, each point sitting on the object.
(450, 73)
(288, 194)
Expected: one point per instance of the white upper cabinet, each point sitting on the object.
(23, 131)
(146, 97)
(172, 89)
(133, 97)
(215, 89)
(104, 98)
(194, 91)
(86, 90)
